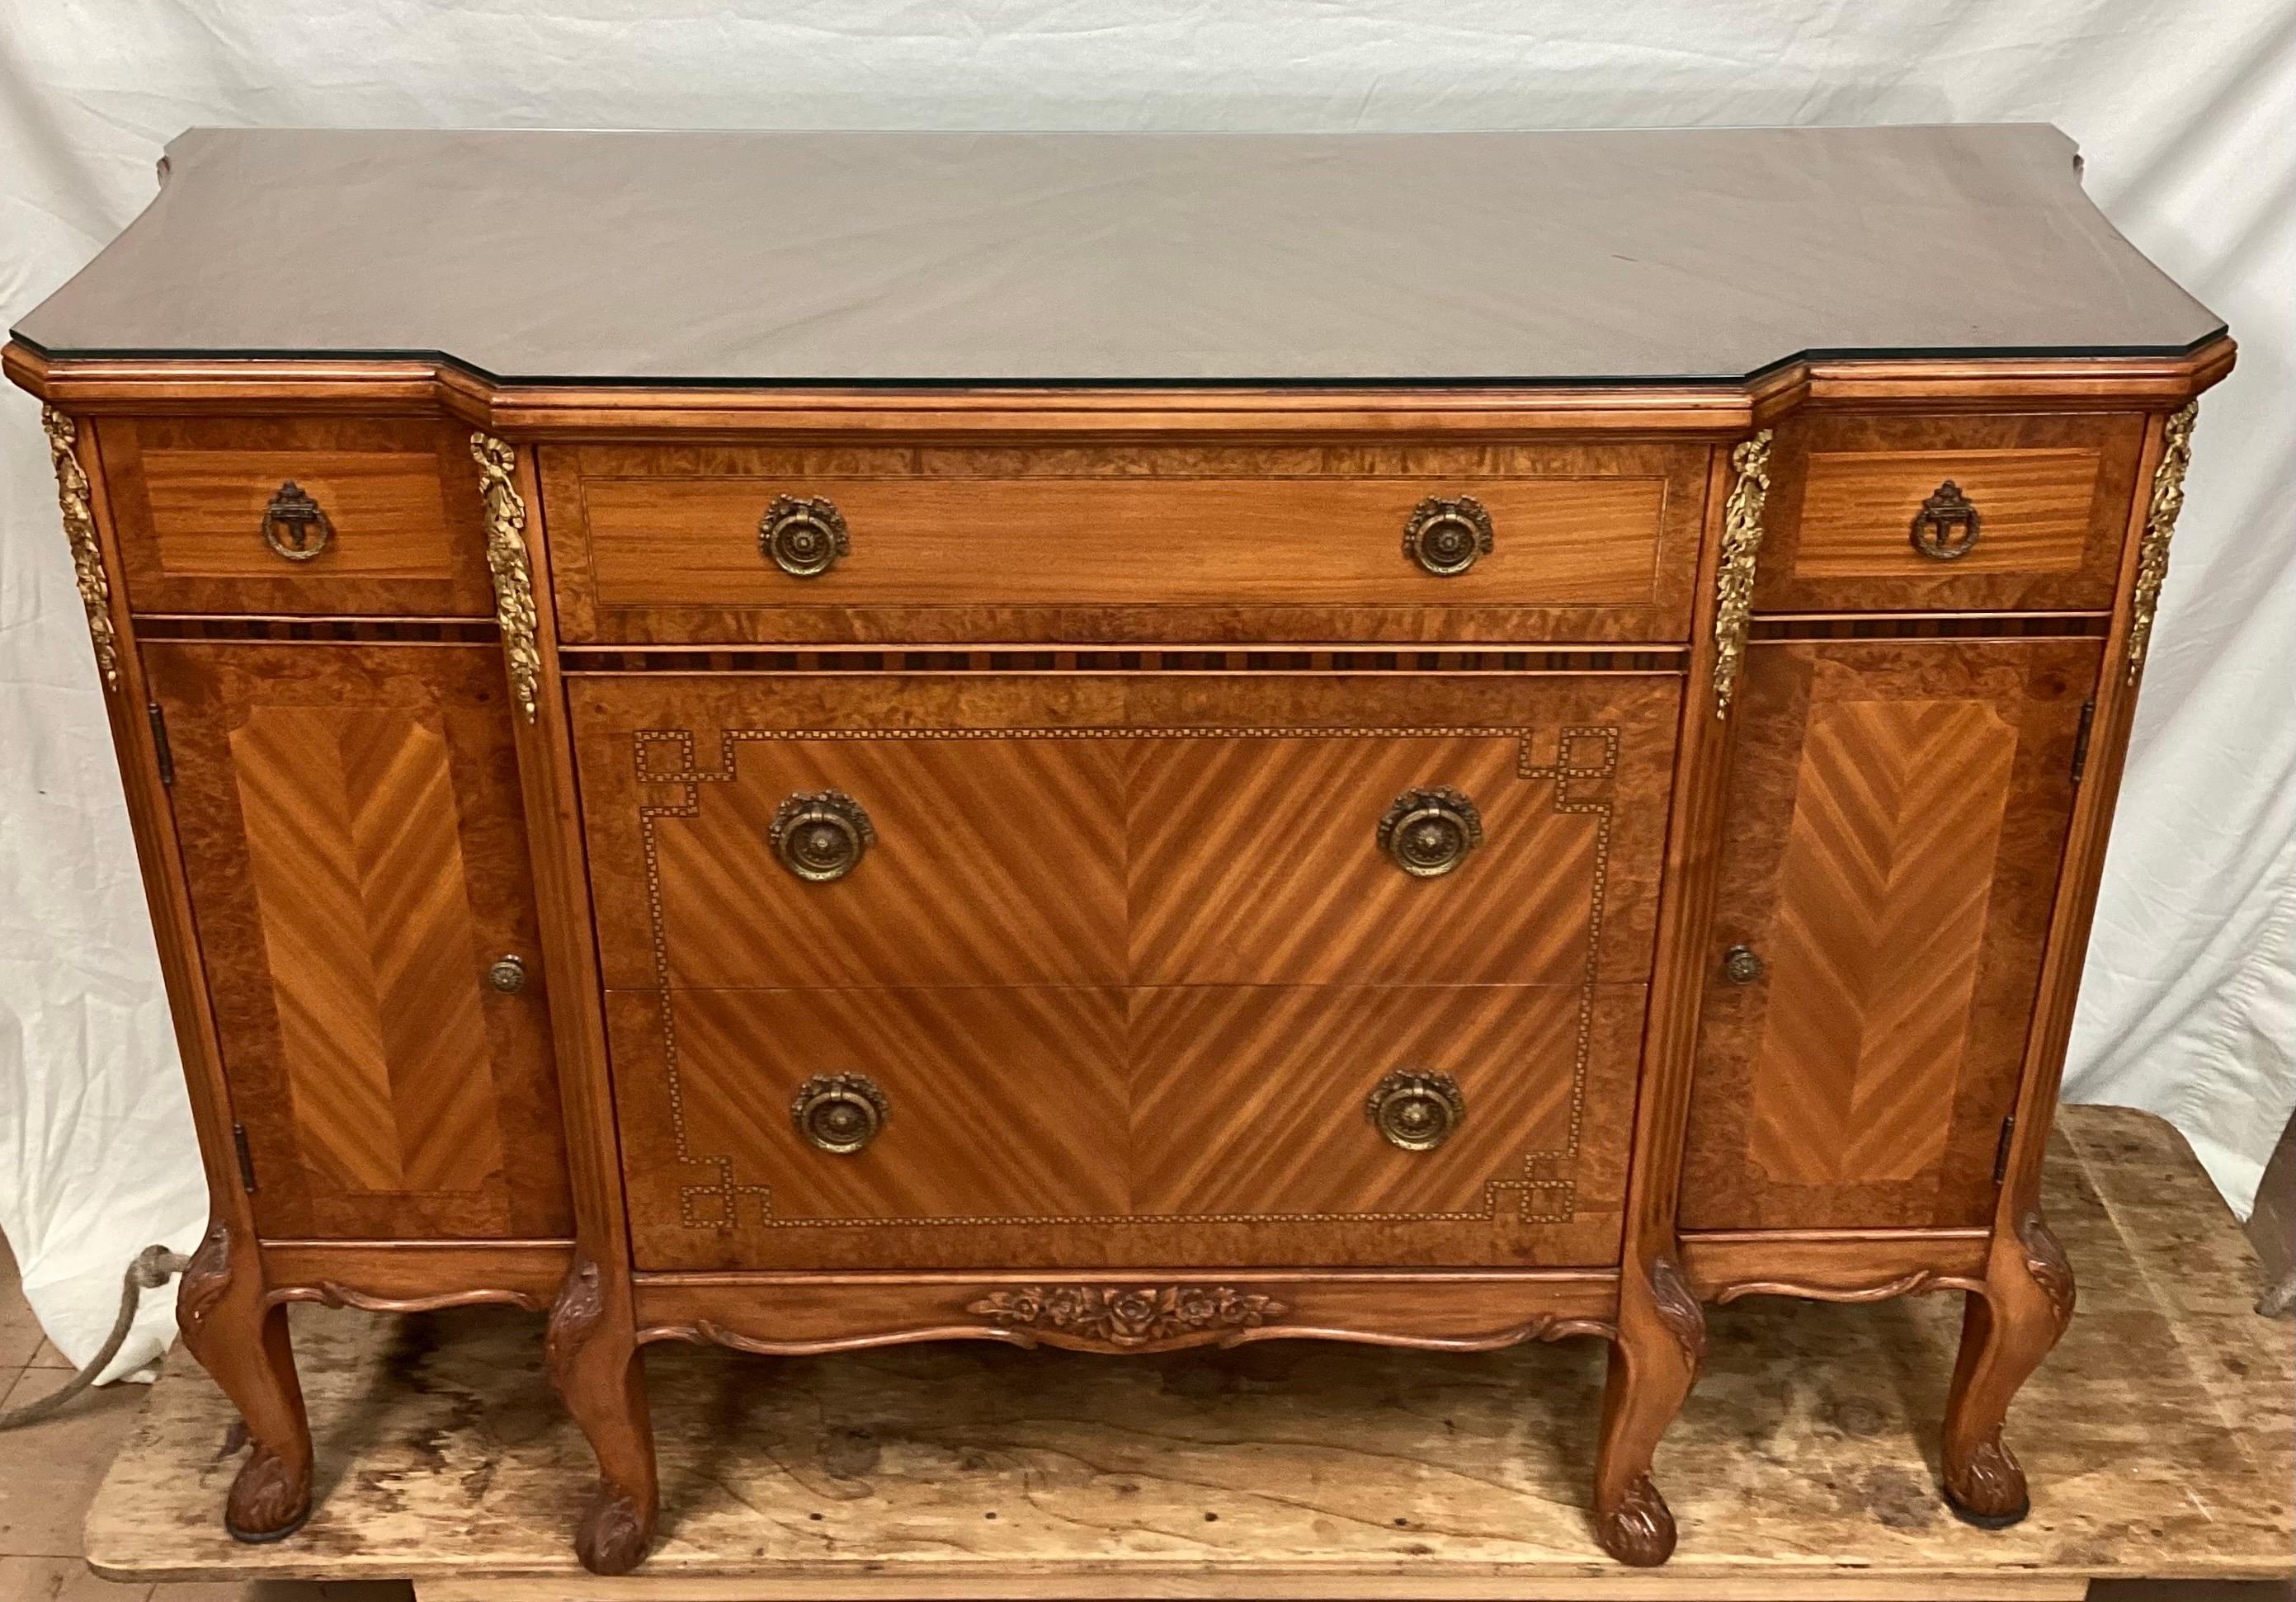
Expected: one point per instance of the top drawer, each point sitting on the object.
(1947, 513)
(1111, 545)
(296, 516)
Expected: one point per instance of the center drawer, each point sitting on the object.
(695, 543)
(1117, 970)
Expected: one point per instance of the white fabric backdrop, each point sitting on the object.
(2189, 1006)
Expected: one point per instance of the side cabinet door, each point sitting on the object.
(356, 851)
(1897, 815)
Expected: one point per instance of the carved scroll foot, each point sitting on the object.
(268, 1501)
(244, 1345)
(1640, 1530)
(595, 1367)
(1662, 1341)
(2006, 1330)
(615, 1532)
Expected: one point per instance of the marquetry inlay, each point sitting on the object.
(1540, 1188)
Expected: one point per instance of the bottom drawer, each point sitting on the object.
(1073, 1127)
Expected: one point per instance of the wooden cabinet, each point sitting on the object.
(355, 850)
(1899, 810)
(1209, 743)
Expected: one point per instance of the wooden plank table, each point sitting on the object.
(2158, 1438)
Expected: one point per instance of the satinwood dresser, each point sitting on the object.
(806, 741)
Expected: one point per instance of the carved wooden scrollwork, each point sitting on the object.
(581, 1302)
(1679, 1310)
(1126, 1318)
(2045, 1260)
(205, 1280)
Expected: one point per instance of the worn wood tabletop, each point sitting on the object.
(2158, 1439)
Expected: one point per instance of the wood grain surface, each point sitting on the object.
(2052, 494)
(1899, 812)
(1194, 540)
(356, 860)
(188, 495)
(1327, 1471)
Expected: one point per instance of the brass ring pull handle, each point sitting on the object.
(1742, 966)
(839, 1112)
(1428, 833)
(295, 526)
(821, 836)
(507, 973)
(1445, 537)
(1416, 1110)
(1945, 526)
(803, 537)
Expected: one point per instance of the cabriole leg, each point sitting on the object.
(2006, 1332)
(1660, 1342)
(244, 1345)
(600, 1375)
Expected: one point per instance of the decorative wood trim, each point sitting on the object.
(1833, 1265)
(624, 661)
(73, 496)
(333, 1293)
(1125, 1316)
(2045, 1260)
(1718, 411)
(2162, 512)
(514, 573)
(318, 631)
(1678, 1310)
(206, 1279)
(576, 1312)
(1742, 544)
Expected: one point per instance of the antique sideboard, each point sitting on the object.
(1121, 742)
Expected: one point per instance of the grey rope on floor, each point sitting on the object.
(154, 1267)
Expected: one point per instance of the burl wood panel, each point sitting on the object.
(1096, 828)
(2052, 494)
(356, 857)
(1112, 543)
(188, 496)
(1901, 815)
(1083, 1128)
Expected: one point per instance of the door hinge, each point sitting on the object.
(246, 1158)
(159, 742)
(2000, 1152)
(2080, 739)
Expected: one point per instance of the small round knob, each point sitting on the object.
(1429, 832)
(507, 973)
(1741, 966)
(839, 1112)
(1947, 525)
(821, 836)
(803, 537)
(1416, 1110)
(1445, 537)
(295, 526)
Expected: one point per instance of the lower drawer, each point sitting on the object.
(1070, 1127)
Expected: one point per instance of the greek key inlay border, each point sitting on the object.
(1544, 1194)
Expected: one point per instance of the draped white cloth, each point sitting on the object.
(2189, 1004)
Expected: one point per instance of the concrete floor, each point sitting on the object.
(49, 1473)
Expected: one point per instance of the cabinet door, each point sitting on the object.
(356, 851)
(1897, 815)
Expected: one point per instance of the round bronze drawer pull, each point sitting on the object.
(1415, 1109)
(839, 1112)
(803, 537)
(507, 973)
(1430, 832)
(821, 836)
(1741, 966)
(295, 526)
(1945, 526)
(1445, 537)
